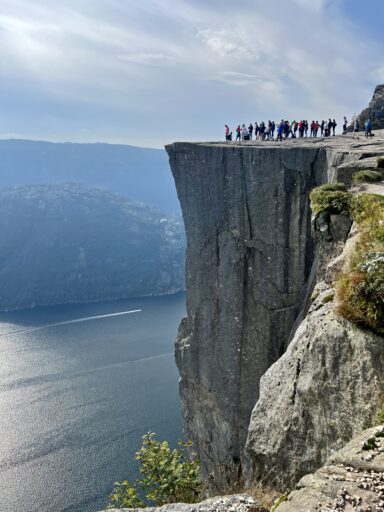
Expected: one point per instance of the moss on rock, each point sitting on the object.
(367, 177)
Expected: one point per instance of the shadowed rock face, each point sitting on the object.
(248, 263)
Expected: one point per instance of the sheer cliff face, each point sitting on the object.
(249, 257)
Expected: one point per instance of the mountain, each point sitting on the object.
(139, 174)
(71, 243)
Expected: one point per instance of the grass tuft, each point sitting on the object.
(367, 177)
(360, 290)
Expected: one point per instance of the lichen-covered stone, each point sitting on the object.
(352, 479)
(235, 503)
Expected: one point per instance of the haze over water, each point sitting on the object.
(79, 385)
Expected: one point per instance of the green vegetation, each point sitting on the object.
(279, 501)
(331, 198)
(380, 418)
(380, 162)
(367, 177)
(168, 476)
(360, 291)
(328, 298)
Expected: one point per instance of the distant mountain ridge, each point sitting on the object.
(139, 174)
(71, 243)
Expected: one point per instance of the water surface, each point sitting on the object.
(79, 385)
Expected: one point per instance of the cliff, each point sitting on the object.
(251, 264)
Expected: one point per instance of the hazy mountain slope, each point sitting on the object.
(140, 174)
(70, 243)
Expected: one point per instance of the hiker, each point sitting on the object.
(244, 132)
(313, 125)
(238, 133)
(368, 128)
(262, 130)
(226, 132)
(301, 128)
(334, 124)
(295, 125)
(345, 124)
(280, 129)
(329, 126)
(250, 129)
(273, 127)
(356, 128)
(306, 128)
(322, 128)
(256, 130)
(317, 126)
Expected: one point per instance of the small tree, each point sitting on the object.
(168, 476)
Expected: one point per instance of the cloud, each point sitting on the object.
(99, 60)
(149, 59)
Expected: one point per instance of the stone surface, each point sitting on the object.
(351, 480)
(375, 110)
(249, 267)
(323, 391)
(235, 503)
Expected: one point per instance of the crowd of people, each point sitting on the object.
(296, 129)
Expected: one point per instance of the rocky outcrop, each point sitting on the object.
(235, 503)
(323, 391)
(250, 263)
(351, 480)
(375, 110)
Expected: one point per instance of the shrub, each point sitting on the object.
(367, 177)
(332, 187)
(360, 291)
(380, 162)
(331, 201)
(167, 476)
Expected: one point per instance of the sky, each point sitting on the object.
(151, 72)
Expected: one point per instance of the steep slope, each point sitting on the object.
(69, 243)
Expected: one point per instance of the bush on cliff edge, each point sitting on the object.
(360, 290)
(168, 476)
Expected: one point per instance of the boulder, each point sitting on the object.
(352, 479)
